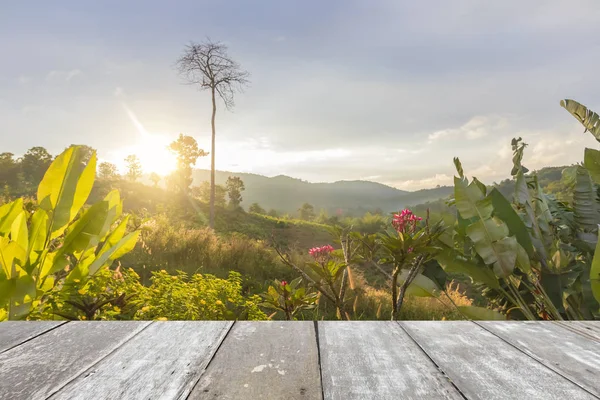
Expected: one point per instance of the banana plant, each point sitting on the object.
(61, 243)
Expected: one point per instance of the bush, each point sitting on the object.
(119, 295)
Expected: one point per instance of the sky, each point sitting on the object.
(381, 90)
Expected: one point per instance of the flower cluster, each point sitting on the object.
(320, 253)
(406, 221)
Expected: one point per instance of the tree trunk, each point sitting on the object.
(211, 223)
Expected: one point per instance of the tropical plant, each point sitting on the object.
(532, 258)
(59, 243)
(289, 298)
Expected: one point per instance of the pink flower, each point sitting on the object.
(320, 253)
(405, 221)
(283, 283)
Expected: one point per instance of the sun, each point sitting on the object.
(152, 149)
(154, 155)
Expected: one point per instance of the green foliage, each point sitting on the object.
(202, 193)
(199, 297)
(306, 212)
(53, 247)
(289, 298)
(235, 187)
(589, 119)
(256, 208)
(34, 164)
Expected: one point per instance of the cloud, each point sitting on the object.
(118, 92)
(60, 75)
(416, 184)
(279, 39)
(476, 128)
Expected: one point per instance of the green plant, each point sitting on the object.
(197, 297)
(289, 298)
(58, 244)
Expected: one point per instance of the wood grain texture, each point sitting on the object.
(377, 360)
(589, 329)
(13, 333)
(484, 366)
(264, 360)
(41, 366)
(566, 352)
(164, 361)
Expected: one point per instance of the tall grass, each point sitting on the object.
(175, 247)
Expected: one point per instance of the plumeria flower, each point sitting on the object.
(405, 221)
(321, 253)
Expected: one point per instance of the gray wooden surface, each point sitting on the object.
(300, 360)
(273, 360)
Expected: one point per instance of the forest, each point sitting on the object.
(78, 241)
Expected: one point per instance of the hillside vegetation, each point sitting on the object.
(76, 246)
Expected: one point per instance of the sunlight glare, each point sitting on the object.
(152, 150)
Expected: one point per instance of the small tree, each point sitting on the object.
(155, 178)
(187, 152)
(134, 168)
(235, 187)
(208, 66)
(107, 170)
(256, 208)
(202, 193)
(34, 164)
(273, 213)
(307, 212)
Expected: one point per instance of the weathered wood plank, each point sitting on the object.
(484, 366)
(589, 329)
(163, 361)
(41, 366)
(264, 360)
(13, 333)
(563, 351)
(377, 360)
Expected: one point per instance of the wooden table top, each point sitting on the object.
(300, 360)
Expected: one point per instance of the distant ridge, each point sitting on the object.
(287, 194)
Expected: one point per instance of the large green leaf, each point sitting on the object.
(516, 227)
(595, 273)
(108, 254)
(591, 160)
(421, 286)
(8, 213)
(453, 263)
(37, 236)
(11, 256)
(470, 201)
(494, 246)
(481, 314)
(66, 187)
(18, 230)
(86, 231)
(589, 119)
(587, 211)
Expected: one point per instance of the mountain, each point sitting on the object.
(286, 194)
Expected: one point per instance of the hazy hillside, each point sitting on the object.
(287, 194)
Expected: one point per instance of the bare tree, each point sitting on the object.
(208, 66)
